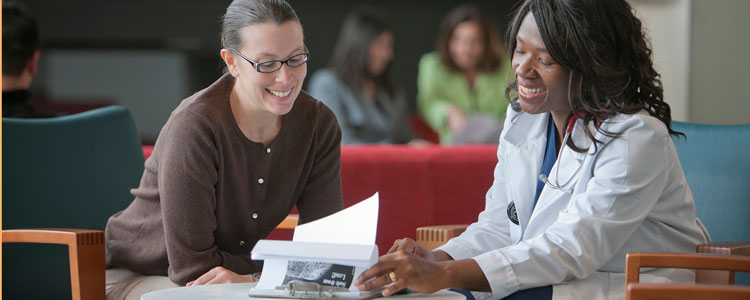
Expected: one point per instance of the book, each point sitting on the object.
(324, 257)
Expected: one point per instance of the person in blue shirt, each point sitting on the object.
(357, 84)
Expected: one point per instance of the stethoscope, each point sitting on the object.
(511, 209)
(568, 130)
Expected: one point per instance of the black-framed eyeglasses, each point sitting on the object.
(271, 66)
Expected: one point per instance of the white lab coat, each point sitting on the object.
(629, 196)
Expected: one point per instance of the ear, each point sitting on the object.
(33, 64)
(228, 58)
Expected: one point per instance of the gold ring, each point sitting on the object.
(392, 276)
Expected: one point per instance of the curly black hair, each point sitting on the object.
(604, 44)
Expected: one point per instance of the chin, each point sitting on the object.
(530, 109)
(281, 108)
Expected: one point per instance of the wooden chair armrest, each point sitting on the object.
(62, 236)
(289, 222)
(637, 291)
(635, 261)
(431, 237)
(85, 253)
(725, 248)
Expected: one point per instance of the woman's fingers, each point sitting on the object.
(400, 284)
(394, 247)
(372, 278)
(405, 244)
(386, 271)
(219, 275)
(205, 278)
(378, 275)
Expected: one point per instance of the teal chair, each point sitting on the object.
(714, 158)
(717, 166)
(66, 172)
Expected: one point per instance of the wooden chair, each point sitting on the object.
(62, 173)
(637, 291)
(289, 222)
(85, 254)
(65, 172)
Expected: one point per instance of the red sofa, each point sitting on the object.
(418, 186)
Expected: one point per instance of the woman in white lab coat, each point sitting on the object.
(586, 171)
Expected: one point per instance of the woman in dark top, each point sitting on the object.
(230, 163)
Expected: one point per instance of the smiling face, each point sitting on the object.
(466, 46)
(542, 83)
(380, 53)
(273, 92)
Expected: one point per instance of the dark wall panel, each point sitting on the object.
(193, 27)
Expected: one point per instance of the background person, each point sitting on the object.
(230, 164)
(20, 62)
(590, 117)
(357, 84)
(461, 86)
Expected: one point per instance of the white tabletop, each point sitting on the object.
(237, 291)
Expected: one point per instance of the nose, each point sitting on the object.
(524, 67)
(284, 74)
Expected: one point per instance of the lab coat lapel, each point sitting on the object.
(525, 140)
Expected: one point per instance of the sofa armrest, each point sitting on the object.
(85, 253)
(431, 237)
(634, 261)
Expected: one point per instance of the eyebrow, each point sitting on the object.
(538, 48)
(263, 55)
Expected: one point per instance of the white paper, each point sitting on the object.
(345, 254)
(356, 224)
(274, 271)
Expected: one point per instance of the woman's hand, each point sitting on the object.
(456, 119)
(409, 269)
(220, 275)
(411, 246)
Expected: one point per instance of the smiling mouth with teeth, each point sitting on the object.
(280, 94)
(530, 92)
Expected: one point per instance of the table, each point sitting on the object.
(237, 291)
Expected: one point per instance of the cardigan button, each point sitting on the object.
(261, 181)
(255, 216)
(242, 243)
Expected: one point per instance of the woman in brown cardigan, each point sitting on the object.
(230, 163)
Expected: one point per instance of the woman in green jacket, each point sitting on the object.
(462, 84)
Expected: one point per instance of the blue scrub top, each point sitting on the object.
(550, 156)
